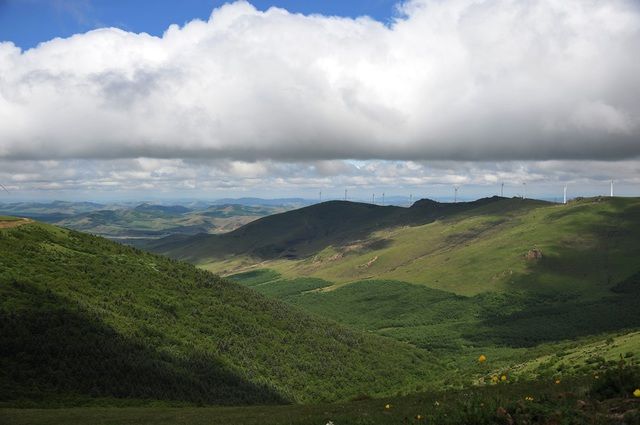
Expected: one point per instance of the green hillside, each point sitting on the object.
(83, 318)
(301, 233)
(469, 252)
(466, 248)
(547, 292)
(455, 279)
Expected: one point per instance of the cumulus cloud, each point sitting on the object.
(465, 80)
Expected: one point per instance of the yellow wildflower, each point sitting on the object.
(482, 358)
(387, 406)
(419, 417)
(528, 398)
(495, 379)
(636, 393)
(557, 382)
(503, 378)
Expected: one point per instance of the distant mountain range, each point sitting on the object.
(135, 223)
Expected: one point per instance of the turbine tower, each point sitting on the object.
(612, 188)
(373, 198)
(502, 190)
(524, 190)
(345, 194)
(455, 194)
(383, 199)
(320, 196)
(565, 195)
(410, 199)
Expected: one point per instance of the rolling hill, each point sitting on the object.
(513, 278)
(83, 318)
(301, 233)
(85, 321)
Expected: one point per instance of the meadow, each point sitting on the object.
(463, 283)
(568, 402)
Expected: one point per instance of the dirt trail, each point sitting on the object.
(6, 224)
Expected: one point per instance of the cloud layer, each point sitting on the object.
(145, 178)
(469, 80)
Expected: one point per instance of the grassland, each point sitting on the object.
(306, 231)
(399, 302)
(569, 402)
(462, 284)
(586, 246)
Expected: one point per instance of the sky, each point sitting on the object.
(204, 99)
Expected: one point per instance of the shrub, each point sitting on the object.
(616, 381)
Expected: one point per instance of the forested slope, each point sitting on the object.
(81, 316)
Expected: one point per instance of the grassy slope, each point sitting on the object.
(469, 252)
(302, 233)
(461, 285)
(82, 316)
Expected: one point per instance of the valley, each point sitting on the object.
(453, 279)
(355, 304)
(137, 223)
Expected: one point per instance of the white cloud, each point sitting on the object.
(149, 178)
(449, 80)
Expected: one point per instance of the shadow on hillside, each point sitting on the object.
(52, 347)
(592, 293)
(561, 321)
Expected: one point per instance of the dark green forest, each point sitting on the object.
(83, 317)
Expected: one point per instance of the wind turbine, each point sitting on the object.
(612, 188)
(410, 199)
(383, 199)
(455, 194)
(320, 196)
(345, 194)
(565, 195)
(524, 189)
(373, 198)
(5, 189)
(502, 190)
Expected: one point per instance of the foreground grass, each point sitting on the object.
(523, 403)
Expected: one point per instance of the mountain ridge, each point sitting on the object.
(304, 231)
